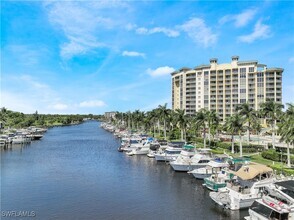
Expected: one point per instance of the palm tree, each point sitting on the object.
(200, 121)
(249, 115)
(286, 129)
(181, 121)
(212, 122)
(164, 114)
(234, 125)
(271, 111)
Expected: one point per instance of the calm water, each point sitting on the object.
(76, 172)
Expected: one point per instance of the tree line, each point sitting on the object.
(168, 124)
(12, 119)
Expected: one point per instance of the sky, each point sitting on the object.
(81, 57)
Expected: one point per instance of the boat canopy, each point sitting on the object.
(188, 147)
(252, 170)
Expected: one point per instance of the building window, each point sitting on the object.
(251, 69)
(242, 90)
(242, 100)
(242, 72)
(259, 74)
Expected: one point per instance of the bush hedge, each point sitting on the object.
(272, 154)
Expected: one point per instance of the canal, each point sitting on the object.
(76, 172)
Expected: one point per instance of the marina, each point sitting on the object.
(76, 172)
(237, 183)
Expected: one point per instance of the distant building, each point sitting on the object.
(109, 115)
(221, 87)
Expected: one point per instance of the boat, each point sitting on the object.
(276, 203)
(243, 190)
(219, 179)
(134, 143)
(170, 153)
(187, 152)
(213, 166)
(143, 149)
(154, 147)
(200, 159)
(262, 209)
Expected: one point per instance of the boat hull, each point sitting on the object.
(184, 167)
(165, 158)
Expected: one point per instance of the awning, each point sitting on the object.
(252, 170)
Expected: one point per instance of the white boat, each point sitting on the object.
(213, 166)
(187, 152)
(154, 147)
(219, 179)
(249, 185)
(276, 203)
(21, 139)
(143, 149)
(134, 143)
(200, 159)
(169, 154)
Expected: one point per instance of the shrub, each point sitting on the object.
(224, 145)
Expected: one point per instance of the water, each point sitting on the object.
(76, 172)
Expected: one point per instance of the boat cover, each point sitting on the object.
(252, 170)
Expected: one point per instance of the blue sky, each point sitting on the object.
(92, 57)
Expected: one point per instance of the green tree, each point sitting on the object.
(286, 130)
(249, 115)
(164, 113)
(271, 111)
(234, 125)
(182, 122)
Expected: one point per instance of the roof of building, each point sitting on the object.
(202, 66)
(174, 72)
(247, 61)
(184, 69)
(275, 68)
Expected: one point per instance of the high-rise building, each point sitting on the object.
(221, 87)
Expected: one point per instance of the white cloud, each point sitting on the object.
(130, 27)
(241, 19)
(261, 31)
(160, 71)
(81, 23)
(60, 106)
(132, 54)
(167, 31)
(197, 30)
(92, 103)
(33, 82)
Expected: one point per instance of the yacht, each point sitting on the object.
(276, 203)
(158, 146)
(246, 188)
(170, 153)
(219, 179)
(184, 158)
(143, 149)
(200, 159)
(154, 147)
(134, 143)
(213, 166)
